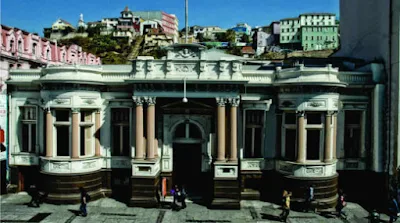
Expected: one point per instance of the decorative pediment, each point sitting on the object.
(190, 104)
(185, 52)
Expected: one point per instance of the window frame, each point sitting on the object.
(130, 120)
(84, 125)
(321, 128)
(361, 127)
(29, 123)
(284, 128)
(262, 137)
(62, 123)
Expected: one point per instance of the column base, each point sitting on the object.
(145, 192)
(226, 194)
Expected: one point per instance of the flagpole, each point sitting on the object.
(186, 21)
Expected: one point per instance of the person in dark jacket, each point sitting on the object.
(82, 208)
(393, 209)
(34, 192)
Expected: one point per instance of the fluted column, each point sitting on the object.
(49, 134)
(151, 101)
(301, 149)
(233, 152)
(139, 128)
(97, 131)
(334, 123)
(221, 129)
(328, 137)
(75, 133)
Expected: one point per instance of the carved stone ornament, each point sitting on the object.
(138, 100)
(89, 101)
(236, 67)
(315, 104)
(222, 66)
(234, 101)
(314, 171)
(253, 165)
(139, 66)
(221, 101)
(170, 66)
(60, 166)
(184, 68)
(150, 66)
(89, 165)
(150, 100)
(185, 54)
(61, 101)
(203, 66)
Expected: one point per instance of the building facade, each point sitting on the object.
(310, 31)
(226, 129)
(370, 31)
(23, 50)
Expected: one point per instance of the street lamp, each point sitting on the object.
(184, 99)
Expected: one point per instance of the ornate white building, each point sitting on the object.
(246, 130)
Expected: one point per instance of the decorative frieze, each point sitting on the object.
(307, 169)
(83, 165)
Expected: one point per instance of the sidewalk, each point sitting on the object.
(14, 209)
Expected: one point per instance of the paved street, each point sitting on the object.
(14, 209)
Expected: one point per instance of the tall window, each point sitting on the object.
(86, 133)
(62, 125)
(20, 46)
(28, 119)
(34, 45)
(120, 132)
(352, 134)
(11, 44)
(254, 122)
(314, 135)
(289, 136)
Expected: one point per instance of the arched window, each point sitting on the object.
(187, 132)
(34, 45)
(20, 47)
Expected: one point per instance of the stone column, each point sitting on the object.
(49, 134)
(233, 152)
(151, 101)
(156, 148)
(278, 133)
(221, 129)
(328, 137)
(97, 133)
(75, 133)
(301, 149)
(139, 128)
(334, 123)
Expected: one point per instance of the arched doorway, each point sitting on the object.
(187, 158)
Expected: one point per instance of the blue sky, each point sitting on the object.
(34, 15)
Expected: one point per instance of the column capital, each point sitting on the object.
(138, 100)
(221, 101)
(234, 101)
(75, 110)
(300, 113)
(150, 100)
(330, 113)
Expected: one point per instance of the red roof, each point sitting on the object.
(248, 50)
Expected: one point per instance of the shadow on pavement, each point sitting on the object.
(270, 217)
(75, 212)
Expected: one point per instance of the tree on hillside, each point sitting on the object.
(228, 36)
(245, 38)
(94, 30)
(200, 37)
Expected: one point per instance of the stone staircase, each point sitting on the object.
(136, 48)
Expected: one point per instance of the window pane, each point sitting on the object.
(248, 143)
(257, 142)
(127, 146)
(25, 138)
(255, 117)
(120, 115)
(194, 132)
(353, 117)
(116, 140)
(290, 144)
(62, 115)
(82, 141)
(62, 140)
(290, 118)
(88, 140)
(352, 142)
(86, 116)
(314, 118)
(33, 138)
(180, 131)
(313, 144)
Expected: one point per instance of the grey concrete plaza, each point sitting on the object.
(14, 208)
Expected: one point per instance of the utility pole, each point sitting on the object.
(186, 21)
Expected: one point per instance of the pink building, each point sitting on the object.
(21, 49)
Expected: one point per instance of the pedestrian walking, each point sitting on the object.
(34, 192)
(285, 205)
(341, 203)
(393, 209)
(177, 203)
(84, 199)
(308, 198)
